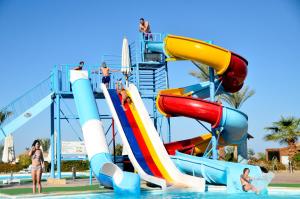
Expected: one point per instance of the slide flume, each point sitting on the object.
(100, 159)
(143, 144)
(233, 124)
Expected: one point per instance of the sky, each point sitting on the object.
(35, 35)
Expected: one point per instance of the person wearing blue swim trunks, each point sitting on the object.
(105, 70)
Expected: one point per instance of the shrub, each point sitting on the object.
(7, 167)
(119, 149)
(297, 157)
(80, 165)
(267, 164)
(24, 160)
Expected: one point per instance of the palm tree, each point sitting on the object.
(203, 75)
(237, 99)
(285, 131)
(4, 115)
(45, 143)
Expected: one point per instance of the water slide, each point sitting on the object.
(107, 173)
(143, 144)
(221, 172)
(189, 102)
(192, 146)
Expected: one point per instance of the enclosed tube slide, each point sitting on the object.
(231, 69)
(107, 173)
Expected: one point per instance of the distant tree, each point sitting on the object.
(1, 151)
(4, 115)
(203, 74)
(229, 155)
(251, 153)
(237, 99)
(45, 143)
(285, 131)
(297, 157)
(24, 160)
(261, 156)
(119, 149)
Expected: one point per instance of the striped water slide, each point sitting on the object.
(143, 144)
(107, 173)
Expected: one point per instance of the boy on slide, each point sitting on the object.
(121, 91)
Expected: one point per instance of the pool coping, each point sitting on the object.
(210, 188)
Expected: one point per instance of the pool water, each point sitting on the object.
(44, 176)
(183, 194)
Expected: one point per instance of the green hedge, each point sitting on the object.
(7, 168)
(80, 165)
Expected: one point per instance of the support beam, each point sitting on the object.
(212, 99)
(113, 137)
(52, 141)
(58, 136)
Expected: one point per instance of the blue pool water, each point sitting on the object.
(186, 195)
(44, 176)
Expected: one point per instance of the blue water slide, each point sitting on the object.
(107, 173)
(221, 172)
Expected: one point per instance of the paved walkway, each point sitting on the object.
(70, 183)
(280, 177)
(286, 177)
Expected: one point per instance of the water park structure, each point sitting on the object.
(145, 68)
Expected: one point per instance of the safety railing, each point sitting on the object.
(153, 37)
(62, 77)
(25, 101)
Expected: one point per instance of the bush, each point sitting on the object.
(24, 160)
(119, 149)
(297, 157)
(7, 167)
(80, 165)
(267, 164)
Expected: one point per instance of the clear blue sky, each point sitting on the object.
(35, 35)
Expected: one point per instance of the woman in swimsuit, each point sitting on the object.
(246, 181)
(37, 165)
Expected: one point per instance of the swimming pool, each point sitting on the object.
(44, 176)
(186, 194)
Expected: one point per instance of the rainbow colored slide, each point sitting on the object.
(143, 144)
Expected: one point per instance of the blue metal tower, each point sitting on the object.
(149, 72)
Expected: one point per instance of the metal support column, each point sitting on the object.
(58, 137)
(52, 141)
(168, 119)
(212, 98)
(91, 175)
(113, 137)
(57, 89)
